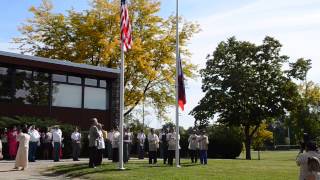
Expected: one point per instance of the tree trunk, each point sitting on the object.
(247, 142)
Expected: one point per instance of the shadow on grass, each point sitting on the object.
(79, 170)
(189, 165)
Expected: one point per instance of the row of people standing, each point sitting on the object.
(108, 143)
(9, 142)
(48, 141)
(22, 151)
(167, 141)
(112, 139)
(25, 145)
(198, 146)
(40, 143)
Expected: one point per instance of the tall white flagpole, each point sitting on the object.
(121, 167)
(177, 89)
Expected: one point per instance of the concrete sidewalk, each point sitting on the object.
(35, 171)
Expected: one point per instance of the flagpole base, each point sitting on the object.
(178, 166)
(121, 168)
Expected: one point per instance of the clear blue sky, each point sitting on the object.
(296, 23)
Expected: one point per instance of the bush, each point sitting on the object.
(224, 142)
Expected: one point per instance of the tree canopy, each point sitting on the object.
(305, 118)
(92, 37)
(245, 84)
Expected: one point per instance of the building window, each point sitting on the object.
(91, 82)
(31, 89)
(74, 80)
(103, 83)
(59, 78)
(95, 98)
(24, 73)
(3, 71)
(66, 95)
(5, 84)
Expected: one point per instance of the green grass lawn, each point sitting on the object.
(272, 166)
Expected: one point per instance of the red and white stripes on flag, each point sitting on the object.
(125, 26)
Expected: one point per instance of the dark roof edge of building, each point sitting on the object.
(59, 62)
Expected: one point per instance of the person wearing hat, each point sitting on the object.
(203, 147)
(303, 158)
(93, 143)
(193, 146)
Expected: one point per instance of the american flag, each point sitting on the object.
(125, 26)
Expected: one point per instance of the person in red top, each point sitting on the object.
(12, 142)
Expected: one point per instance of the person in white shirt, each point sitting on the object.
(4, 139)
(101, 145)
(171, 137)
(33, 143)
(115, 145)
(193, 146)
(153, 140)
(203, 147)
(141, 137)
(302, 160)
(127, 140)
(109, 145)
(56, 140)
(76, 144)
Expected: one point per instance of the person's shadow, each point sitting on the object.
(9, 170)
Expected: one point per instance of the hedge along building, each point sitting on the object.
(68, 92)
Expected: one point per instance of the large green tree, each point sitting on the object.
(245, 84)
(305, 118)
(92, 37)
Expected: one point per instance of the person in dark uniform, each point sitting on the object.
(164, 144)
